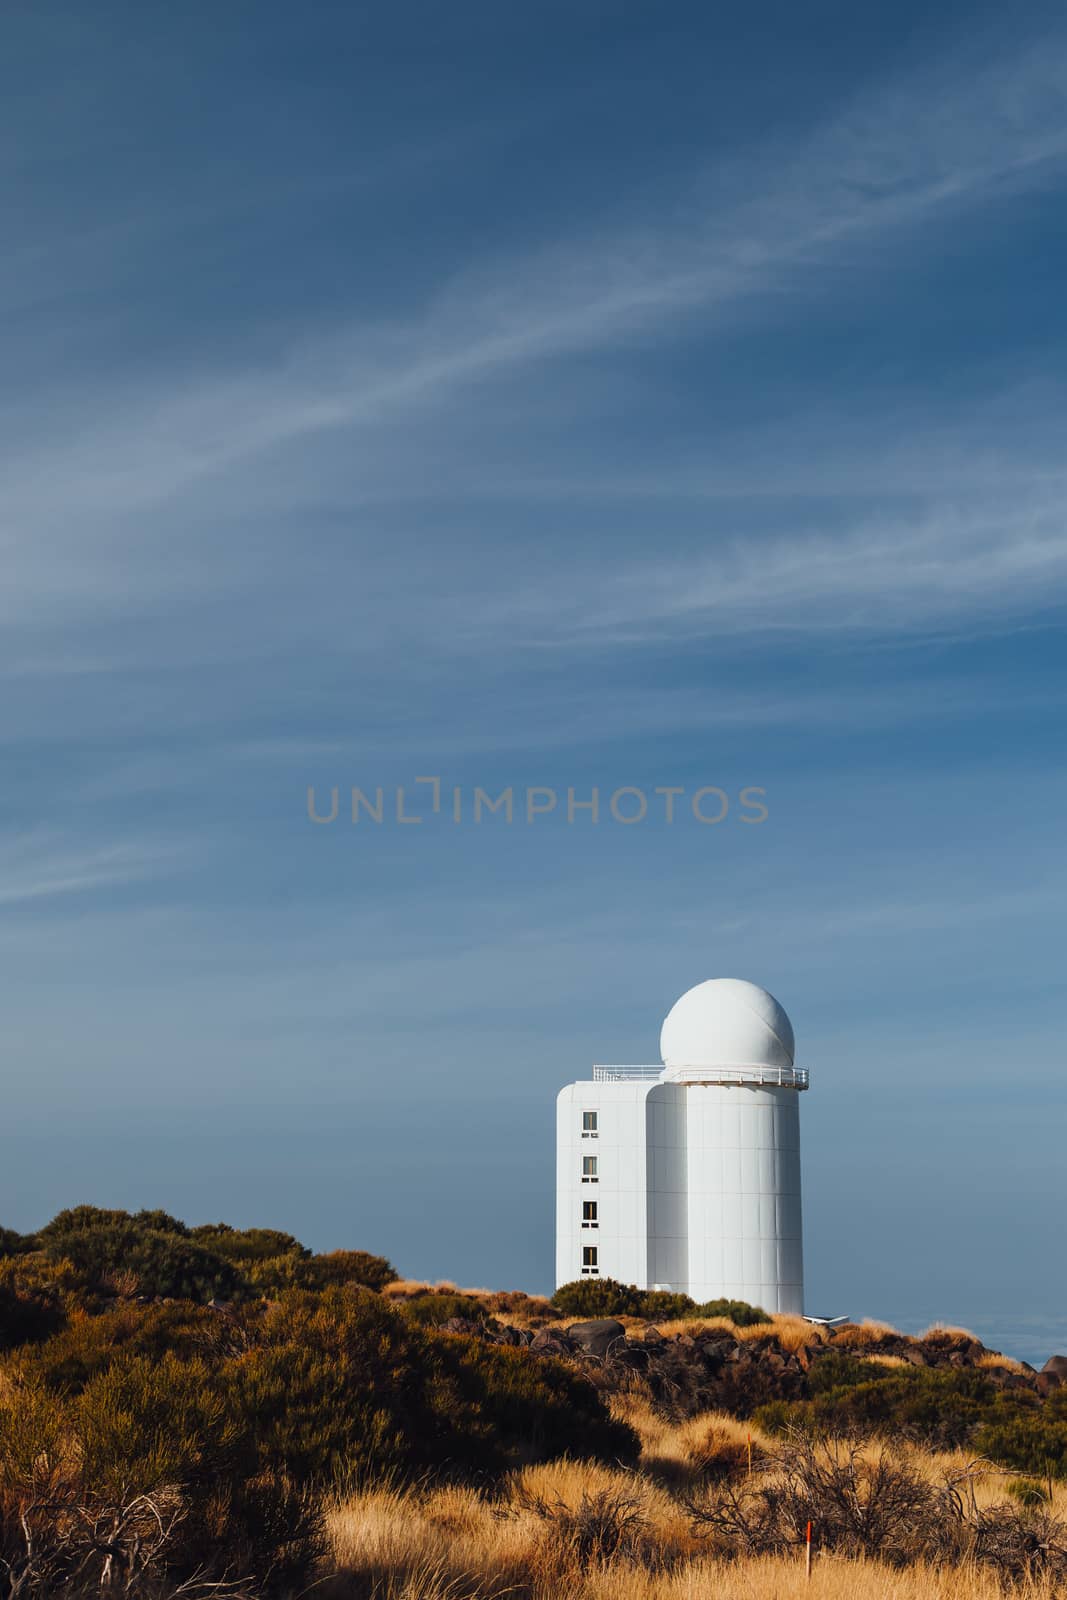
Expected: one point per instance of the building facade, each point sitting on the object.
(686, 1176)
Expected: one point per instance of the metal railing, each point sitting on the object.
(626, 1074)
(775, 1077)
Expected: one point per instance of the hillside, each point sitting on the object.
(218, 1411)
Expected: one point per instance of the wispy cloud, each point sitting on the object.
(42, 867)
(882, 576)
(895, 160)
(156, 506)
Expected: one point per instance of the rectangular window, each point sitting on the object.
(589, 1124)
(590, 1219)
(589, 1171)
(590, 1260)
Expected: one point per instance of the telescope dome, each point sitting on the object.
(726, 1022)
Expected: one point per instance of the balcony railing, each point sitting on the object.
(626, 1074)
(774, 1077)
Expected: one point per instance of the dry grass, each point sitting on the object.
(407, 1288)
(690, 1326)
(1004, 1363)
(776, 1578)
(945, 1333)
(855, 1335)
(674, 1452)
(540, 1536)
(453, 1544)
(388, 1542)
(792, 1333)
(681, 1455)
(512, 1305)
(796, 1334)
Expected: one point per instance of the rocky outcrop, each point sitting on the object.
(599, 1337)
(712, 1369)
(1052, 1374)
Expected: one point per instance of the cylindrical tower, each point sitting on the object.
(731, 1045)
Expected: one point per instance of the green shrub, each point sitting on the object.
(944, 1409)
(346, 1267)
(533, 1408)
(1028, 1491)
(26, 1317)
(90, 1344)
(788, 1417)
(80, 1219)
(12, 1243)
(661, 1305)
(1020, 1433)
(150, 1452)
(144, 1260)
(605, 1297)
(276, 1273)
(835, 1370)
(159, 1222)
(739, 1312)
(32, 1292)
(598, 1297)
(940, 1407)
(245, 1246)
(242, 1416)
(431, 1310)
(341, 1382)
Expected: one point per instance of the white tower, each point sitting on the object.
(687, 1176)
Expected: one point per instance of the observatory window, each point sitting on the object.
(590, 1262)
(589, 1125)
(589, 1171)
(589, 1214)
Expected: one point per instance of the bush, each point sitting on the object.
(345, 1267)
(597, 1297)
(605, 1523)
(357, 1268)
(149, 1261)
(1027, 1438)
(342, 1382)
(142, 1476)
(26, 1317)
(532, 1408)
(835, 1370)
(1028, 1492)
(606, 1297)
(738, 1312)
(883, 1508)
(660, 1305)
(945, 1410)
(218, 1427)
(12, 1243)
(31, 1299)
(431, 1310)
(81, 1219)
(90, 1344)
(244, 1246)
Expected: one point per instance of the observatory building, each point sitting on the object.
(687, 1176)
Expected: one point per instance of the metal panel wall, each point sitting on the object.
(744, 1208)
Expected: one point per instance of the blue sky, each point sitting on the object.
(559, 396)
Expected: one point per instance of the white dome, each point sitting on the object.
(726, 1022)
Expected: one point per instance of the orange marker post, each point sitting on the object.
(807, 1554)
